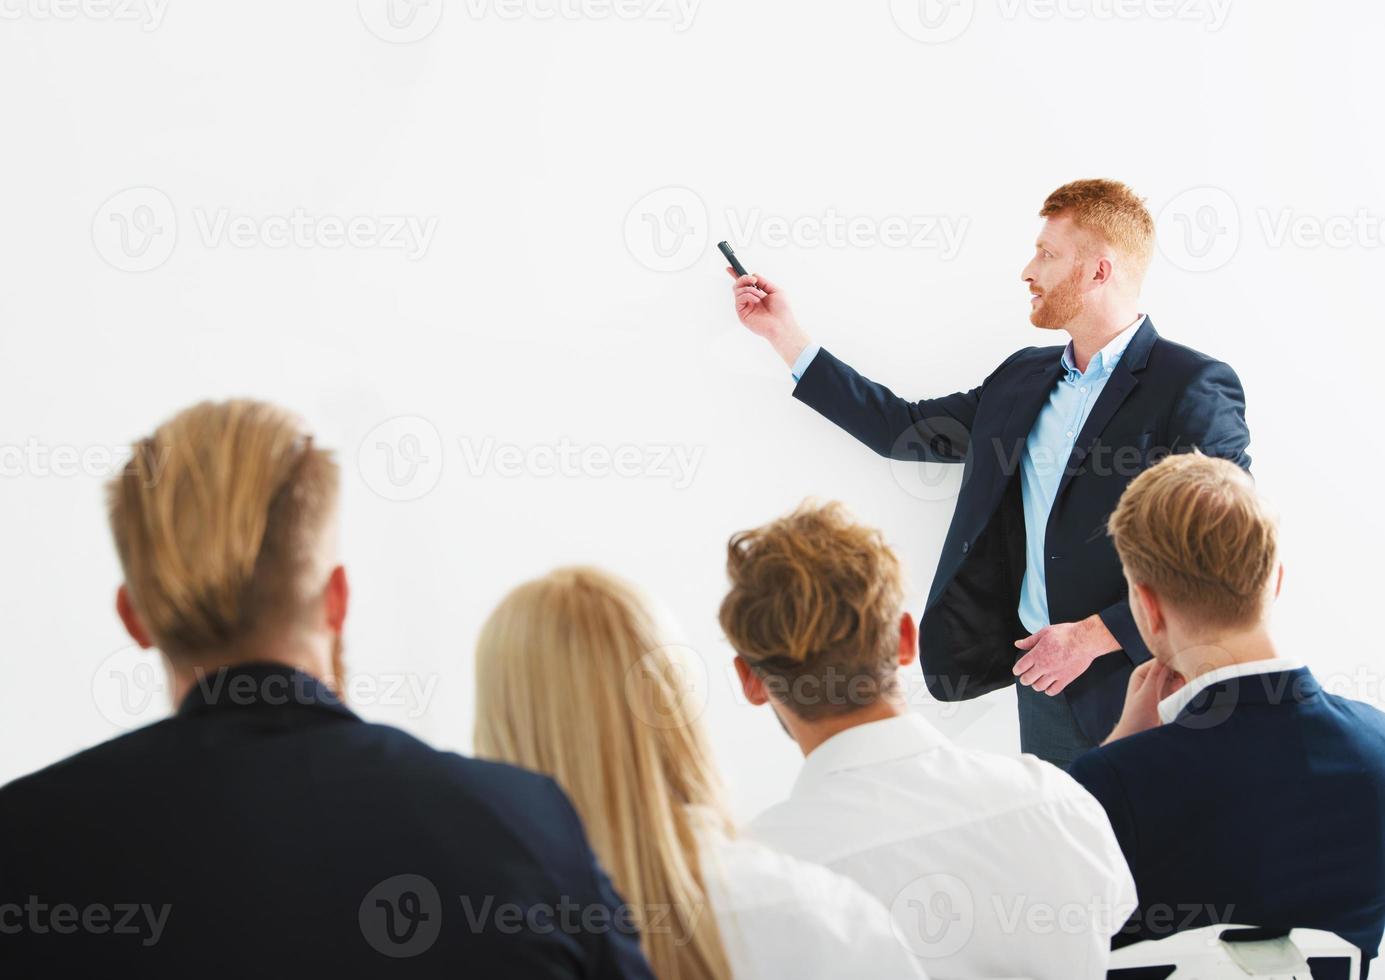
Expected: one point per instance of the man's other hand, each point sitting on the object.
(1058, 654)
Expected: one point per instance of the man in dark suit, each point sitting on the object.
(265, 829)
(1027, 586)
(1240, 791)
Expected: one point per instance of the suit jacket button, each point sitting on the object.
(965, 547)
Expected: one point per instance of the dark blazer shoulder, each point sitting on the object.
(1128, 752)
(387, 754)
(1364, 722)
(1160, 756)
(1170, 357)
(493, 783)
(1181, 748)
(95, 758)
(535, 813)
(1164, 356)
(1032, 357)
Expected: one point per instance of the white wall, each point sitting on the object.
(539, 312)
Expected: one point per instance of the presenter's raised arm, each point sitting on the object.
(935, 429)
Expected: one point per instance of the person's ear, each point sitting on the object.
(908, 640)
(751, 685)
(1151, 607)
(1103, 270)
(336, 599)
(1279, 580)
(125, 609)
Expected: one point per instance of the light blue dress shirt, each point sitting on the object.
(804, 359)
(1046, 453)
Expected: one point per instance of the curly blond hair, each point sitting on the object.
(814, 608)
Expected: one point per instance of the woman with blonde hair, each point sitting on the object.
(576, 679)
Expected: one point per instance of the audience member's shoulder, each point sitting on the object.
(1024, 788)
(1364, 720)
(1097, 763)
(748, 876)
(782, 916)
(381, 754)
(481, 777)
(1022, 779)
(1148, 759)
(105, 758)
(754, 874)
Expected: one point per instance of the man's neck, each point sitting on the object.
(810, 734)
(1192, 659)
(185, 672)
(1091, 335)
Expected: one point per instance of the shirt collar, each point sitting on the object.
(873, 743)
(1104, 360)
(1172, 706)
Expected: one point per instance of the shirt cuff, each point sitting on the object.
(804, 359)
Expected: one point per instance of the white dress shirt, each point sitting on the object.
(1170, 707)
(780, 917)
(991, 865)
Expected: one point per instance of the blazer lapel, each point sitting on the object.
(1123, 381)
(1027, 397)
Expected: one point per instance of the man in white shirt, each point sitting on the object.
(1239, 789)
(991, 866)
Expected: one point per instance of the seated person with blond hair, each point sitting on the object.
(992, 865)
(265, 830)
(1238, 788)
(578, 677)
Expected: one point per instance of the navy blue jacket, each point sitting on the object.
(1262, 803)
(265, 830)
(1161, 398)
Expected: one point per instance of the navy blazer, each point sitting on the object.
(1262, 803)
(265, 831)
(1161, 397)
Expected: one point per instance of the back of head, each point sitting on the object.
(220, 520)
(576, 679)
(1111, 211)
(1193, 529)
(814, 610)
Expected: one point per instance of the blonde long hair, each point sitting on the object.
(576, 680)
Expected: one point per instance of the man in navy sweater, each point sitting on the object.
(265, 829)
(1240, 791)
